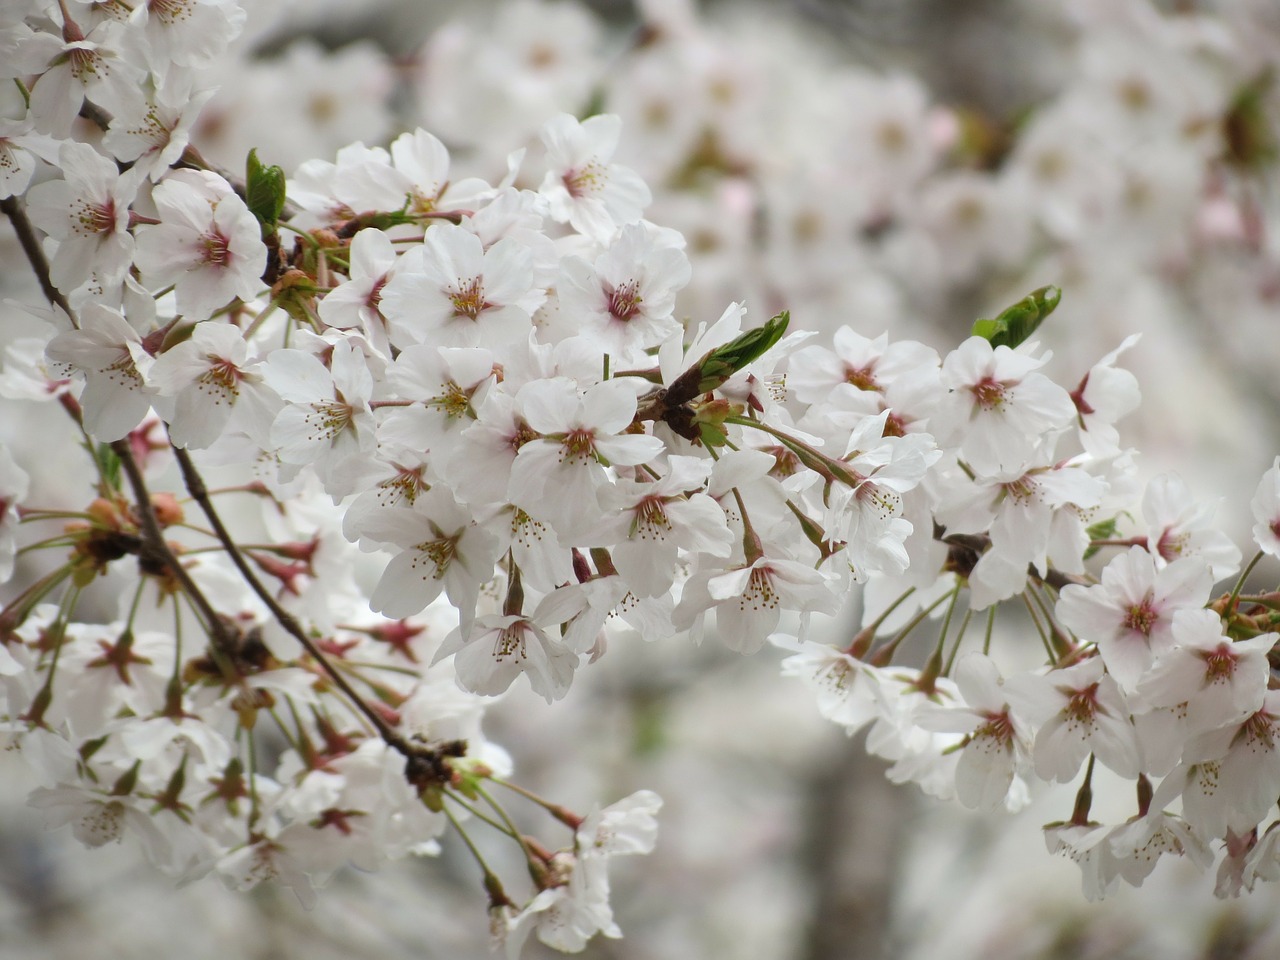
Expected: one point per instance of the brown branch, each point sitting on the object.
(157, 548)
(195, 486)
(35, 255)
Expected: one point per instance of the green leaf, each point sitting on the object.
(1106, 530)
(1016, 323)
(264, 192)
(714, 369)
(109, 465)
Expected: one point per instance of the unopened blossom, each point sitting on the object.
(1129, 615)
(1266, 511)
(87, 212)
(584, 187)
(452, 292)
(108, 352)
(207, 244)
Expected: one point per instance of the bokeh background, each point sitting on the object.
(894, 165)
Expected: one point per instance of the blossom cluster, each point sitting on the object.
(469, 441)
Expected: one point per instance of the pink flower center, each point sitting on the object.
(1142, 616)
(651, 520)
(759, 594)
(94, 218)
(374, 298)
(215, 249)
(86, 65)
(585, 180)
(989, 393)
(882, 501)
(1083, 704)
(625, 300)
(579, 444)
(999, 727)
(1219, 663)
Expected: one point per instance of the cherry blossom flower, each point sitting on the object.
(20, 147)
(1213, 680)
(74, 68)
(88, 214)
(1076, 711)
(584, 188)
(357, 301)
(1129, 615)
(1104, 395)
(654, 521)
(207, 244)
(1229, 778)
(1178, 526)
(207, 378)
(999, 406)
(188, 33)
(495, 649)
(452, 292)
(156, 131)
(624, 300)
(567, 915)
(628, 826)
(326, 420)
(108, 352)
(998, 740)
(559, 475)
(847, 690)
(1266, 511)
(749, 598)
(442, 548)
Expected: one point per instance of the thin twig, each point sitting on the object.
(31, 247)
(156, 545)
(195, 486)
